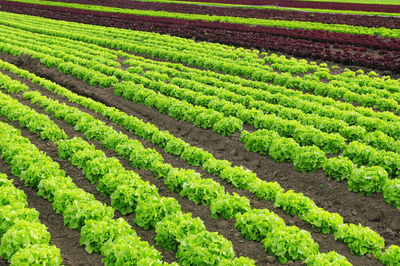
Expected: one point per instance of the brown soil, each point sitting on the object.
(327, 193)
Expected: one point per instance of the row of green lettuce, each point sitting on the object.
(236, 175)
(24, 239)
(341, 28)
(353, 12)
(127, 191)
(208, 56)
(364, 180)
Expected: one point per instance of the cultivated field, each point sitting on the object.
(171, 132)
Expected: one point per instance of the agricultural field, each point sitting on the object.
(199, 132)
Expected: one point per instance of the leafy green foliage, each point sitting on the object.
(12, 86)
(96, 233)
(126, 196)
(238, 176)
(391, 192)
(10, 195)
(391, 256)
(127, 250)
(64, 198)
(97, 167)
(5, 182)
(175, 146)
(228, 206)
(48, 187)
(367, 180)
(361, 240)
(282, 149)
(293, 203)
(161, 170)
(325, 221)
(174, 228)
(23, 234)
(308, 159)
(152, 210)
(37, 254)
(330, 258)
(77, 213)
(204, 248)
(338, 168)
(290, 243)
(227, 126)
(10, 214)
(357, 152)
(256, 223)
(176, 178)
(214, 166)
(195, 156)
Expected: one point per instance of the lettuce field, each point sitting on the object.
(199, 132)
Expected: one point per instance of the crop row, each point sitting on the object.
(240, 177)
(248, 70)
(223, 33)
(354, 20)
(309, 4)
(363, 180)
(269, 7)
(341, 28)
(24, 239)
